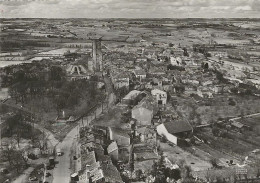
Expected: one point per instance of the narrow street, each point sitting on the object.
(62, 170)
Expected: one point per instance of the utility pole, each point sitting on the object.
(131, 161)
(0, 133)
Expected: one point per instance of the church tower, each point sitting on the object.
(97, 55)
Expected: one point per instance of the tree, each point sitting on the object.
(213, 161)
(19, 161)
(138, 174)
(7, 154)
(17, 128)
(186, 172)
(56, 73)
(215, 131)
(158, 170)
(15, 158)
(185, 52)
(171, 44)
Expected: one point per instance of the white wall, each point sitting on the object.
(161, 130)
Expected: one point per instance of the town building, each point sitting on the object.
(174, 129)
(120, 136)
(140, 74)
(112, 151)
(146, 134)
(130, 97)
(144, 111)
(120, 79)
(78, 70)
(161, 96)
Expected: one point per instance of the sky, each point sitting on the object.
(129, 8)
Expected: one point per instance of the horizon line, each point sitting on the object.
(129, 18)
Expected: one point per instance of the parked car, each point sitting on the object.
(59, 153)
(50, 167)
(48, 174)
(4, 171)
(32, 156)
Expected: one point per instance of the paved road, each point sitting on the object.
(62, 170)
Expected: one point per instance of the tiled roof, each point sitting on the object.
(101, 157)
(108, 172)
(146, 155)
(112, 147)
(145, 130)
(147, 103)
(140, 72)
(88, 158)
(177, 126)
(120, 132)
(237, 124)
(111, 174)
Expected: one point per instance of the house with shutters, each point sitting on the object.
(160, 96)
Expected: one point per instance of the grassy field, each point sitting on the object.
(212, 110)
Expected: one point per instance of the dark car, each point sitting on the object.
(32, 156)
(4, 171)
(50, 167)
(48, 174)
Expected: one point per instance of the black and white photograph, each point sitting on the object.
(130, 91)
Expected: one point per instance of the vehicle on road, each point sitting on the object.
(50, 167)
(58, 151)
(51, 161)
(48, 174)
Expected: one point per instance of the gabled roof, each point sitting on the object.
(155, 91)
(140, 72)
(177, 126)
(237, 124)
(147, 103)
(93, 145)
(145, 130)
(111, 174)
(132, 94)
(101, 157)
(121, 75)
(120, 132)
(88, 158)
(108, 172)
(112, 147)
